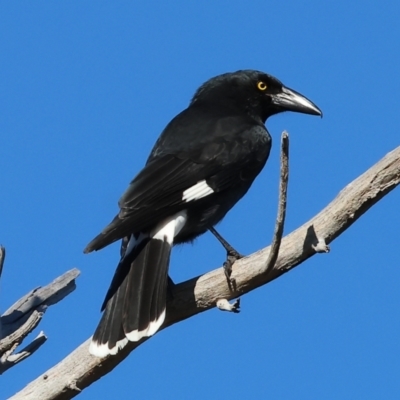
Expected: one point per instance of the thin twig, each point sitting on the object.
(2, 258)
(27, 351)
(280, 219)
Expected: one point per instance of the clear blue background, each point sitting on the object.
(85, 89)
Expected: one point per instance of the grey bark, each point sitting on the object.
(24, 316)
(79, 369)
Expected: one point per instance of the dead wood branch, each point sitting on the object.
(280, 218)
(79, 369)
(23, 317)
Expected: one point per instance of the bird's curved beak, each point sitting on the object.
(290, 100)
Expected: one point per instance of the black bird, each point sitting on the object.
(204, 162)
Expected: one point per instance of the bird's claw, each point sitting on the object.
(231, 257)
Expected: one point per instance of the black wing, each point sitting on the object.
(157, 191)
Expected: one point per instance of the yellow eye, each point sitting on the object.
(262, 85)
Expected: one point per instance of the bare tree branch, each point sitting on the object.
(22, 331)
(79, 369)
(23, 317)
(223, 304)
(280, 218)
(47, 295)
(11, 358)
(2, 258)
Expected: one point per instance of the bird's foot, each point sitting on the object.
(231, 258)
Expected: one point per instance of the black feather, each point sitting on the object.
(219, 142)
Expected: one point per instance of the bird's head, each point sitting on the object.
(259, 94)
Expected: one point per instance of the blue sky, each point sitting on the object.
(86, 88)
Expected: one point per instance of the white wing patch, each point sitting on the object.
(199, 190)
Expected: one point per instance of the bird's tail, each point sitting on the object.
(135, 303)
(136, 309)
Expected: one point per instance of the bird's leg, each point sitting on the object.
(229, 249)
(231, 256)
